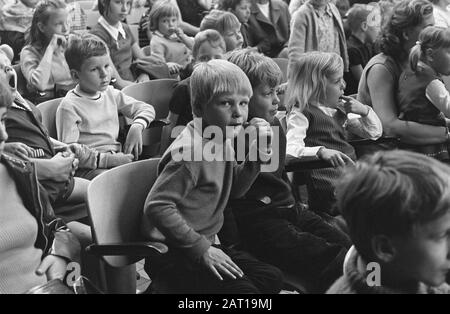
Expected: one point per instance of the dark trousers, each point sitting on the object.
(174, 272)
(298, 241)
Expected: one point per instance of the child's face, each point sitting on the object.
(117, 10)
(206, 52)
(3, 134)
(334, 89)
(167, 25)
(424, 255)
(227, 110)
(7, 73)
(242, 11)
(56, 24)
(264, 103)
(441, 61)
(94, 75)
(233, 39)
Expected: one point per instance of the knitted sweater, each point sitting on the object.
(94, 121)
(19, 258)
(354, 281)
(187, 200)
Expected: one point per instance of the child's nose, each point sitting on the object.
(237, 111)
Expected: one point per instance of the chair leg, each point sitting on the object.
(121, 280)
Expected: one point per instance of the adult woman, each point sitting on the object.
(379, 81)
(35, 247)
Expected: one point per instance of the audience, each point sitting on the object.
(228, 25)
(396, 205)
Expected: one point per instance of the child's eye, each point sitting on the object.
(244, 103)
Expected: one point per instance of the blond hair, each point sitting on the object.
(308, 76)
(214, 78)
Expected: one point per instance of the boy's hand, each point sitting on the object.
(334, 157)
(115, 160)
(174, 68)
(133, 144)
(264, 130)
(220, 263)
(53, 266)
(351, 105)
(19, 149)
(58, 169)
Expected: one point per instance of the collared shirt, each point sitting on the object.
(265, 9)
(297, 126)
(114, 31)
(327, 31)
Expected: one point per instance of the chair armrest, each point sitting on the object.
(303, 164)
(132, 249)
(381, 140)
(159, 123)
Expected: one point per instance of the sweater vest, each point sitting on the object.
(327, 131)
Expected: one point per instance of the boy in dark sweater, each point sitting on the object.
(271, 224)
(198, 174)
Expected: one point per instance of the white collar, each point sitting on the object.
(114, 31)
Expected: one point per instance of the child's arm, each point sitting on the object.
(366, 124)
(439, 96)
(67, 121)
(297, 125)
(188, 41)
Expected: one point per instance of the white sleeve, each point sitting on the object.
(439, 96)
(297, 125)
(369, 127)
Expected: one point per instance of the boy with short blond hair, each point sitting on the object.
(396, 205)
(186, 204)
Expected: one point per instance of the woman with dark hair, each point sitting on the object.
(379, 81)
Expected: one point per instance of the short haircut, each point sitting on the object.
(214, 78)
(391, 193)
(210, 36)
(161, 9)
(359, 14)
(221, 21)
(82, 47)
(259, 68)
(230, 4)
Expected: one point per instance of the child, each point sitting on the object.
(187, 201)
(42, 59)
(89, 113)
(208, 45)
(364, 23)
(422, 95)
(15, 19)
(228, 25)
(240, 8)
(273, 227)
(122, 45)
(396, 204)
(268, 27)
(169, 43)
(317, 26)
(318, 125)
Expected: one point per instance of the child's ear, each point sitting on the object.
(383, 248)
(364, 26)
(429, 54)
(40, 25)
(74, 74)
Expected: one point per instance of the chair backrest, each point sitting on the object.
(283, 64)
(157, 93)
(116, 201)
(48, 110)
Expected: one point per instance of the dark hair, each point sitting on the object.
(82, 47)
(432, 37)
(229, 4)
(103, 6)
(406, 15)
(391, 193)
(258, 68)
(41, 15)
(219, 20)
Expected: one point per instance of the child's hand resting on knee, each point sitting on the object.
(334, 157)
(133, 144)
(220, 263)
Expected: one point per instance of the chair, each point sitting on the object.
(157, 93)
(115, 204)
(48, 110)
